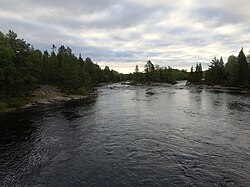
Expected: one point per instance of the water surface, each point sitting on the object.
(130, 136)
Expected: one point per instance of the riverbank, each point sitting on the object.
(148, 83)
(184, 83)
(219, 88)
(46, 95)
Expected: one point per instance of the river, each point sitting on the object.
(130, 136)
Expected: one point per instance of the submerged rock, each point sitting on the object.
(150, 93)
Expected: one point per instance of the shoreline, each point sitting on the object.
(56, 100)
(49, 95)
(184, 83)
(46, 95)
(219, 88)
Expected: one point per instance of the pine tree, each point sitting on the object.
(231, 71)
(215, 73)
(243, 68)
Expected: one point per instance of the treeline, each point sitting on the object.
(235, 73)
(155, 73)
(23, 68)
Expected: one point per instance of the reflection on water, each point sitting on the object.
(173, 136)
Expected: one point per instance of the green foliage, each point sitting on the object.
(15, 102)
(236, 72)
(231, 71)
(3, 105)
(242, 69)
(197, 75)
(215, 75)
(158, 74)
(149, 70)
(22, 69)
(82, 91)
(111, 75)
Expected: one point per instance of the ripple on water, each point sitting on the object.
(125, 137)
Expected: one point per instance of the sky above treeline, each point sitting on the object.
(125, 33)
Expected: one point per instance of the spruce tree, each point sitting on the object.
(243, 68)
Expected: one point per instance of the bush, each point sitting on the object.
(82, 91)
(3, 105)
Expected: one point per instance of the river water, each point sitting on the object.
(130, 136)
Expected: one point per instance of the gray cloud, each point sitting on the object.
(123, 33)
(218, 16)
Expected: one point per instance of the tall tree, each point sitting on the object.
(231, 71)
(243, 68)
(20, 79)
(197, 75)
(149, 68)
(215, 73)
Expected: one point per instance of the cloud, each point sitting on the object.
(123, 33)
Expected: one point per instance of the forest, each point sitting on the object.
(235, 73)
(23, 69)
(155, 73)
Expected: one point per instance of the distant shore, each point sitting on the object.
(219, 88)
(216, 88)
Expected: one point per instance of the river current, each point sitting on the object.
(130, 136)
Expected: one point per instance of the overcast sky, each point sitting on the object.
(123, 33)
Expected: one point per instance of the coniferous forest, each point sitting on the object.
(155, 73)
(23, 69)
(235, 73)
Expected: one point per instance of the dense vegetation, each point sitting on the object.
(236, 72)
(23, 69)
(156, 73)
